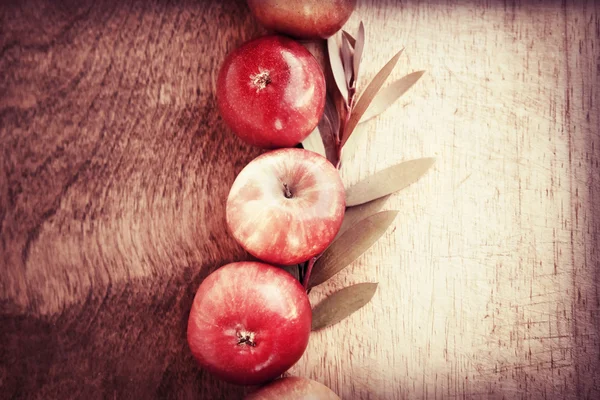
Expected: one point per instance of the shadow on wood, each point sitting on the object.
(115, 170)
(131, 343)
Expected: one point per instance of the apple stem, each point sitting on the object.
(309, 268)
(246, 338)
(286, 191)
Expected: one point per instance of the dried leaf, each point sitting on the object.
(358, 50)
(350, 38)
(314, 143)
(294, 270)
(322, 140)
(337, 68)
(354, 142)
(333, 116)
(388, 95)
(347, 61)
(360, 212)
(341, 304)
(387, 181)
(367, 96)
(328, 127)
(350, 245)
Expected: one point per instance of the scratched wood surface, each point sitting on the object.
(115, 166)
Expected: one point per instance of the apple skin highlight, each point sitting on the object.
(249, 323)
(271, 92)
(286, 206)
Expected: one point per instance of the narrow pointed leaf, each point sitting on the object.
(322, 139)
(328, 127)
(342, 304)
(347, 60)
(337, 68)
(367, 96)
(350, 38)
(357, 213)
(333, 116)
(314, 143)
(387, 181)
(358, 50)
(388, 95)
(350, 245)
(293, 270)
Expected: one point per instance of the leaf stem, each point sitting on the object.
(343, 125)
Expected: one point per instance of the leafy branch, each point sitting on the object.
(345, 109)
(345, 115)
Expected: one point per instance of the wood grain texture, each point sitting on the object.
(115, 165)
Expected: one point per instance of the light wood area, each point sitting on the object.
(115, 165)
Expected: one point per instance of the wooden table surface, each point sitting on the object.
(115, 165)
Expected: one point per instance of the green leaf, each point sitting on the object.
(388, 95)
(350, 245)
(387, 181)
(342, 304)
(337, 67)
(367, 96)
(360, 212)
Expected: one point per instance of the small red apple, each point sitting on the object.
(304, 19)
(271, 92)
(286, 206)
(294, 388)
(249, 322)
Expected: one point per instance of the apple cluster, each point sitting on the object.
(250, 321)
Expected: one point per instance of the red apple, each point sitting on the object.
(305, 19)
(249, 322)
(271, 92)
(294, 388)
(286, 206)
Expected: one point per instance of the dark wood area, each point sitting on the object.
(115, 167)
